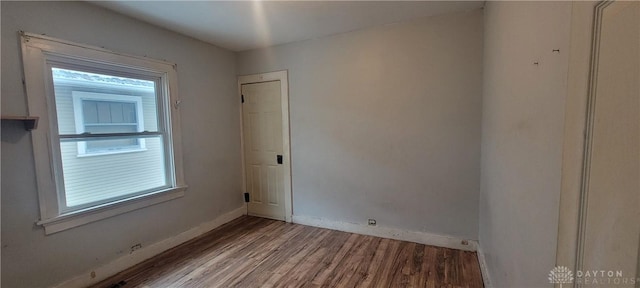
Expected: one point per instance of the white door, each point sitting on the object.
(612, 228)
(263, 149)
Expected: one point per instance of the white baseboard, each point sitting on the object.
(388, 232)
(147, 252)
(484, 268)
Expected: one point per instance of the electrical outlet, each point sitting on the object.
(372, 222)
(135, 247)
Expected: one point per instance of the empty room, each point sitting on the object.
(320, 144)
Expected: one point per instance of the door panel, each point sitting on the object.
(612, 227)
(262, 129)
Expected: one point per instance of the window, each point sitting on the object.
(107, 113)
(108, 142)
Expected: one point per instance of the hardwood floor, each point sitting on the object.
(257, 252)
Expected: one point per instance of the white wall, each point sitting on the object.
(211, 143)
(522, 138)
(385, 123)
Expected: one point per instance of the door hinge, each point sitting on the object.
(246, 197)
(242, 98)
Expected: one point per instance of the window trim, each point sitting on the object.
(78, 115)
(38, 51)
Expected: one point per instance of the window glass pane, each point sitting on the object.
(111, 128)
(102, 99)
(117, 145)
(90, 111)
(97, 179)
(111, 145)
(109, 112)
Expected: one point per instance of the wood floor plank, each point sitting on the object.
(361, 271)
(382, 276)
(213, 262)
(278, 272)
(182, 256)
(322, 277)
(417, 258)
(244, 259)
(257, 252)
(259, 275)
(431, 261)
(399, 269)
(316, 263)
(376, 263)
(346, 269)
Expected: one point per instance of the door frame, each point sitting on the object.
(281, 76)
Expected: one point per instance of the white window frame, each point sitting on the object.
(38, 53)
(78, 115)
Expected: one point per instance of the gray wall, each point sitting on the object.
(522, 137)
(211, 143)
(385, 123)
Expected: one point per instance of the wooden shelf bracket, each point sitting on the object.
(30, 122)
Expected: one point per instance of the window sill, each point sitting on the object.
(77, 218)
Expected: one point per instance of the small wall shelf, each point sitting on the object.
(30, 122)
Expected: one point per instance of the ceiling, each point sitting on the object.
(245, 25)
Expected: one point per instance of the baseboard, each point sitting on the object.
(484, 268)
(388, 232)
(147, 252)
